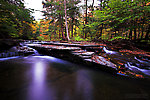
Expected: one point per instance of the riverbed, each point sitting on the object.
(42, 77)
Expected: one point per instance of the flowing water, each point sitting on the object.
(129, 64)
(48, 78)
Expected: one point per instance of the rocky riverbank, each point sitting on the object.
(104, 56)
(10, 48)
(7, 44)
(121, 57)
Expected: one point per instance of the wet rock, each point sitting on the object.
(7, 44)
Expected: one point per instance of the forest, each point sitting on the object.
(78, 50)
(68, 20)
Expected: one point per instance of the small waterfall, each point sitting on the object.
(108, 51)
(141, 61)
(36, 53)
(136, 69)
(19, 51)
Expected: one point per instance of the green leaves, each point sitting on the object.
(115, 4)
(127, 14)
(13, 14)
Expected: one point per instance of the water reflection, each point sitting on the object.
(50, 78)
(56, 79)
(51, 59)
(39, 73)
(84, 86)
(37, 89)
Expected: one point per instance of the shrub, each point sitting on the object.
(117, 38)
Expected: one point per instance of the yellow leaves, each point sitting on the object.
(47, 30)
(108, 29)
(20, 32)
(34, 32)
(31, 25)
(34, 22)
(148, 4)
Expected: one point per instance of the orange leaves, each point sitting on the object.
(148, 4)
(120, 63)
(131, 74)
(41, 31)
(139, 76)
(134, 52)
(122, 72)
(24, 21)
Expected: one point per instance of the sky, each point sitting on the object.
(37, 5)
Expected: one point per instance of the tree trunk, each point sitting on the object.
(130, 34)
(101, 30)
(142, 29)
(139, 33)
(142, 32)
(85, 19)
(100, 4)
(93, 5)
(62, 30)
(72, 19)
(66, 21)
(147, 33)
(134, 33)
(59, 34)
(72, 27)
(86, 12)
(61, 24)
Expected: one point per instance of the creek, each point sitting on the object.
(40, 77)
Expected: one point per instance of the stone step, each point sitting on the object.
(90, 60)
(85, 57)
(87, 53)
(101, 60)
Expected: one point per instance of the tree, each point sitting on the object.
(125, 15)
(54, 10)
(73, 14)
(15, 19)
(66, 20)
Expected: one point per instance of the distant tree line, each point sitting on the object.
(126, 19)
(68, 19)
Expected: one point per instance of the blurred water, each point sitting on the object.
(49, 78)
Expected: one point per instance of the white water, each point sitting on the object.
(147, 72)
(108, 51)
(8, 58)
(141, 61)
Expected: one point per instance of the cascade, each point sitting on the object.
(108, 51)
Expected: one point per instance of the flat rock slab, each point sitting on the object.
(54, 47)
(101, 60)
